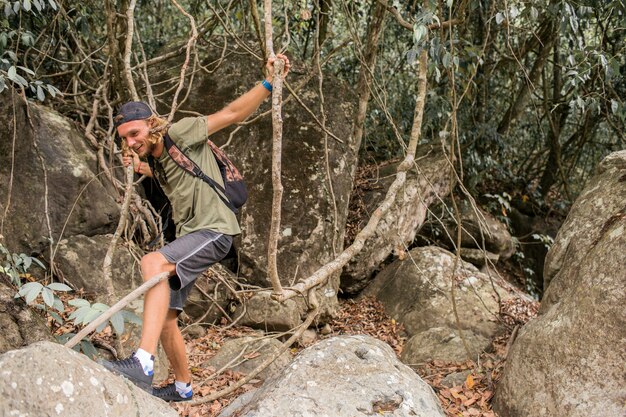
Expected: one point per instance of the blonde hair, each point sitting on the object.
(158, 127)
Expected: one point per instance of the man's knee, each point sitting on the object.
(154, 263)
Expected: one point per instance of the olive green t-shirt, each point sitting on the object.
(195, 205)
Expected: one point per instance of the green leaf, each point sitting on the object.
(26, 70)
(41, 96)
(52, 4)
(102, 326)
(51, 90)
(16, 7)
(11, 73)
(131, 317)
(30, 286)
(79, 302)
(33, 292)
(27, 5)
(117, 321)
(27, 261)
(58, 286)
(79, 315)
(499, 18)
(88, 349)
(100, 307)
(614, 106)
(58, 305)
(48, 296)
(56, 317)
(449, 3)
(91, 316)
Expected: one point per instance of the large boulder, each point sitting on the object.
(47, 379)
(313, 215)
(570, 360)
(80, 259)
(20, 325)
(70, 172)
(416, 293)
(428, 182)
(344, 376)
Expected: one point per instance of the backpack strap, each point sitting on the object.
(187, 164)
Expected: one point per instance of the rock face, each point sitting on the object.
(313, 213)
(80, 259)
(416, 292)
(430, 182)
(20, 325)
(570, 360)
(47, 379)
(344, 376)
(70, 168)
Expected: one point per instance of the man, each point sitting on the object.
(205, 227)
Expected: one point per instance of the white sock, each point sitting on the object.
(147, 361)
(183, 389)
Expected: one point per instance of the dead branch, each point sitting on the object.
(277, 145)
(128, 45)
(190, 44)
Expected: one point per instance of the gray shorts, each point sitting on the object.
(193, 254)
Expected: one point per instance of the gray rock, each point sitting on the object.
(444, 344)
(570, 360)
(495, 236)
(71, 168)
(455, 379)
(416, 292)
(244, 354)
(478, 257)
(428, 184)
(47, 379)
(264, 313)
(596, 209)
(80, 259)
(345, 376)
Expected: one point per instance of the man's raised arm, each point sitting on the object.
(240, 109)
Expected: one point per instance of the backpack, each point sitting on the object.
(234, 193)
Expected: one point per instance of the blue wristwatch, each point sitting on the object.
(267, 85)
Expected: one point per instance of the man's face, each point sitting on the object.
(136, 135)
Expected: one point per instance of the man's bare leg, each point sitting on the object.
(156, 301)
(174, 345)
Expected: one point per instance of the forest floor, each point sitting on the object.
(464, 388)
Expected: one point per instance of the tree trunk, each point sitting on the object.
(547, 39)
(367, 68)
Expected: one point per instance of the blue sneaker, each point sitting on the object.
(169, 393)
(131, 369)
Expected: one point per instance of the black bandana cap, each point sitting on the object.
(133, 110)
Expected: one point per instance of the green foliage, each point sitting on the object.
(86, 312)
(16, 264)
(16, 35)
